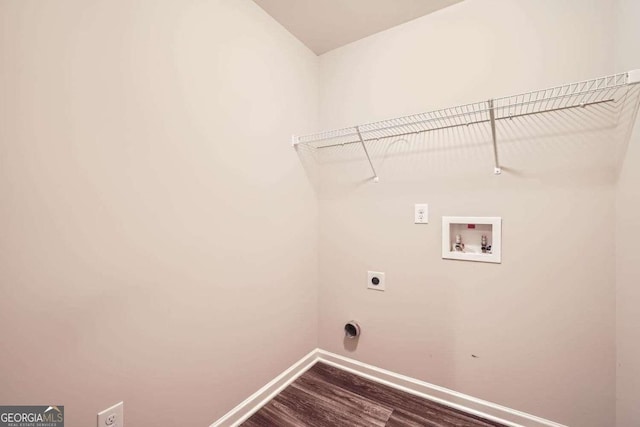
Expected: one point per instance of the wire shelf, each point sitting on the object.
(416, 123)
(573, 95)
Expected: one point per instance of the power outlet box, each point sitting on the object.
(421, 213)
(112, 417)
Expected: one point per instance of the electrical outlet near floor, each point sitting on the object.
(112, 417)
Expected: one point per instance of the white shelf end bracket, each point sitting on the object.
(497, 170)
(633, 77)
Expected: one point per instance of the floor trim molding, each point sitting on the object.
(257, 400)
(463, 402)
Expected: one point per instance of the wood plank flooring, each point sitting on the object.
(328, 397)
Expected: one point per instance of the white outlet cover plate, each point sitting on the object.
(381, 285)
(421, 213)
(112, 417)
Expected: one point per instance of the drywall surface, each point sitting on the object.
(158, 233)
(627, 233)
(535, 333)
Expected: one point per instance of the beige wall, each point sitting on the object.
(627, 234)
(542, 323)
(159, 238)
(158, 234)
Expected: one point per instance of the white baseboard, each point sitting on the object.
(257, 400)
(463, 402)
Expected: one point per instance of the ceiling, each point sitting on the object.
(324, 25)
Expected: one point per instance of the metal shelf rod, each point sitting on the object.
(375, 175)
(492, 118)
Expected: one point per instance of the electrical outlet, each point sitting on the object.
(421, 212)
(112, 417)
(375, 280)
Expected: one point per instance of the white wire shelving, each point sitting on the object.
(573, 95)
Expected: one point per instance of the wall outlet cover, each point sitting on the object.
(375, 280)
(421, 213)
(112, 417)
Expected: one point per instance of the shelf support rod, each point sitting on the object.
(492, 117)
(375, 175)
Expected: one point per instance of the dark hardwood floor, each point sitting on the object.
(328, 397)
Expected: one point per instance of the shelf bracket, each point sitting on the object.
(497, 170)
(375, 175)
(633, 77)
